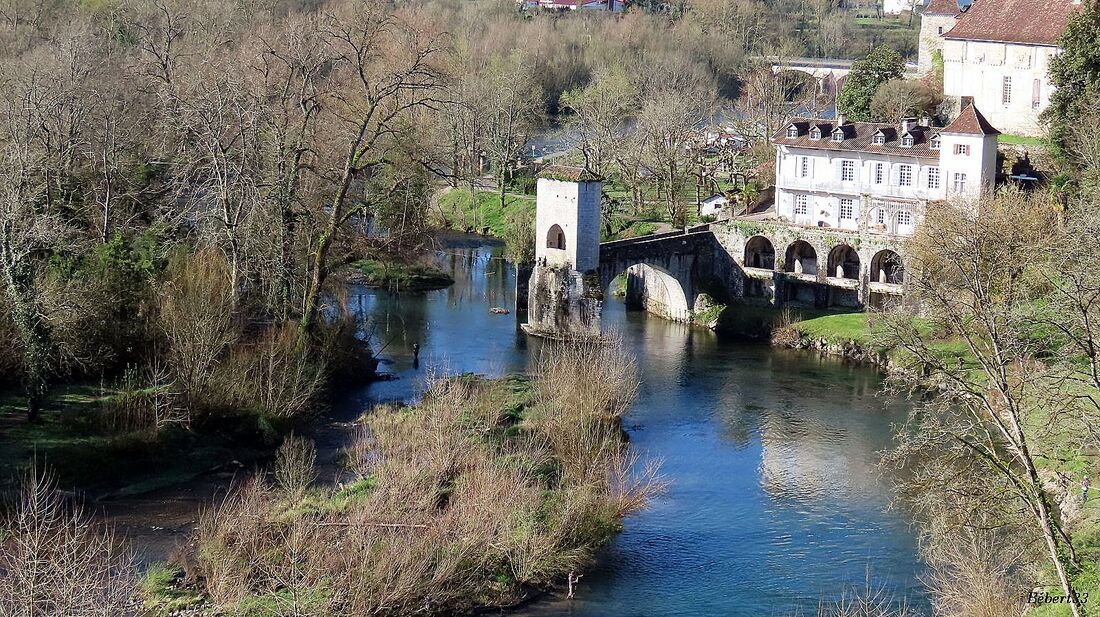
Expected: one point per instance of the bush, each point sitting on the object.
(55, 560)
(480, 492)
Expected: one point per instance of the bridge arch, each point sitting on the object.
(657, 291)
(887, 267)
(760, 253)
(801, 258)
(843, 262)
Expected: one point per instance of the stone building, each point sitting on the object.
(564, 293)
(998, 53)
(936, 19)
(878, 177)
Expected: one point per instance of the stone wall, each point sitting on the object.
(563, 302)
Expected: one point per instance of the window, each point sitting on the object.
(1036, 92)
(804, 167)
(933, 177)
(907, 141)
(939, 30)
(880, 216)
(847, 209)
(847, 171)
(555, 239)
(878, 139)
(880, 173)
(934, 143)
(815, 134)
(838, 135)
(905, 218)
(800, 204)
(1006, 91)
(792, 131)
(962, 150)
(960, 183)
(905, 175)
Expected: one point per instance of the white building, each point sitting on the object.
(998, 52)
(879, 177)
(567, 220)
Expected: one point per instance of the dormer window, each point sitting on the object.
(792, 131)
(907, 141)
(878, 139)
(934, 143)
(838, 135)
(815, 134)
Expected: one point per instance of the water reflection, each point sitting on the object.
(775, 501)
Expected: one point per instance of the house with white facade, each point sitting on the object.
(998, 52)
(878, 178)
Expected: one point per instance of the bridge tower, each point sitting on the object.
(564, 293)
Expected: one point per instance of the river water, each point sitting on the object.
(774, 503)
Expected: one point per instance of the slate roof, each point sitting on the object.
(858, 138)
(971, 122)
(1029, 22)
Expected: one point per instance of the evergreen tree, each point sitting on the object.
(878, 67)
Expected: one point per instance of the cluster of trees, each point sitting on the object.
(237, 145)
(875, 90)
(261, 139)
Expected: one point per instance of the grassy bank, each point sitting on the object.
(400, 275)
(480, 211)
(480, 496)
(80, 439)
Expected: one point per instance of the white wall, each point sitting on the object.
(979, 163)
(575, 207)
(824, 186)
(978, 69)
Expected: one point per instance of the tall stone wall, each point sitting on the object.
(563, 302)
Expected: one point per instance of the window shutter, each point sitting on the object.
(895, 172)
(837, 167)
(810, 166)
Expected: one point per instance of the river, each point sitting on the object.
(775, 502)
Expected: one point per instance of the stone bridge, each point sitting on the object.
(755, 263)
(666, 273)
(680, 274)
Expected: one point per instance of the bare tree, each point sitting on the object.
(55, 560)
(601, 116)
(975, 274)
(384, 69)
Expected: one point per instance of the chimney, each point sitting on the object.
(840, 119)
(908, 124)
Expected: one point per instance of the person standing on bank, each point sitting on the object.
(416, 355)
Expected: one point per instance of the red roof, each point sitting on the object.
(971, 122)
(942, 7)
(1029, 22)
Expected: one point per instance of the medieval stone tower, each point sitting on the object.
(564, 295)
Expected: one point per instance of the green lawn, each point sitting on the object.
(480, 211)
(837, 327)
(1022, 140)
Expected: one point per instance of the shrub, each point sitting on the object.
(55, 560)
(480, 492)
